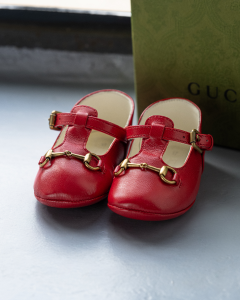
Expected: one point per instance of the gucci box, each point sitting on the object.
(191, 49)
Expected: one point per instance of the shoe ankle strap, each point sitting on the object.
(201, 141)
(57, 120)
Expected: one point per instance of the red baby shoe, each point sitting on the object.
(160, 177)
(78, 170)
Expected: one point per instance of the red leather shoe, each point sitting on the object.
(160, 177)
(78, 170)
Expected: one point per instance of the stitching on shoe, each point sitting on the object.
(70, 201)
(150, 213)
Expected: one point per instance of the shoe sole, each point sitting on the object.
(69, 204)
(146, 216)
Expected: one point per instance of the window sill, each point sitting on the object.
(80, 31)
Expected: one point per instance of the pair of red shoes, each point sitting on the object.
(158, 180)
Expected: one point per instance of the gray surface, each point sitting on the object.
(92, 253)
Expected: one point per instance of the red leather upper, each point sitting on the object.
(141, 192)
(67, 180)
(91, 122)
(205, 141)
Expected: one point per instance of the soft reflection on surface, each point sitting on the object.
(73, 219)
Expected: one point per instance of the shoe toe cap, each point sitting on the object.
(147, 193)
(70, 182)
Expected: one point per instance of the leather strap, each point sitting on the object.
(170, 134)
(95, 123)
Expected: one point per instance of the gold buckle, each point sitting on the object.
(52, 120)
(194, 138)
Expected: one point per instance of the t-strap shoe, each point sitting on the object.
(160, 177)
(78, 169)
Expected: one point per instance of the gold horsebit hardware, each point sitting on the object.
(161, 171)
(86, 159)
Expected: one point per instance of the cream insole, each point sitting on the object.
(185, 116)
(112, 106)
